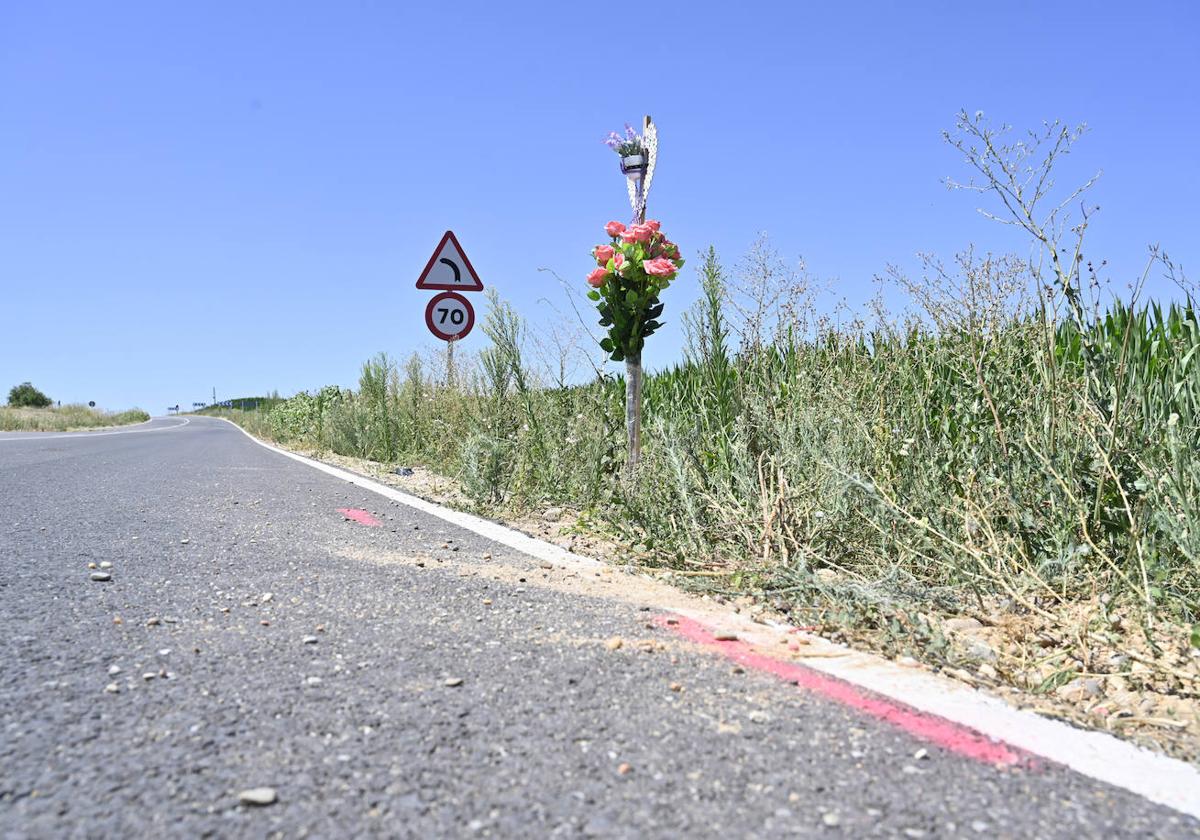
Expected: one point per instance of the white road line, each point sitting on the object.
(83, 434)
(484, 527)
(1158, 778)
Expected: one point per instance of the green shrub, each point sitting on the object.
(27, 396)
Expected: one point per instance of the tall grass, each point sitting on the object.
(997, 455)
(65, 418)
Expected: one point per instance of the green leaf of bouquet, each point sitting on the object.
(593, 295)
(606, 345)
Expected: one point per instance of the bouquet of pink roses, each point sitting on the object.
(633, 270)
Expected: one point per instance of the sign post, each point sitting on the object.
(638, 185)
(449, 315)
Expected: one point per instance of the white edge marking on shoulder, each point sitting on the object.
(1160, 779)
(494, 531)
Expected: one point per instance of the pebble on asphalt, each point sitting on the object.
(614, 643)
(453, 682)
(725, 636)
(100, 577)
(309, 640)
(258, 796)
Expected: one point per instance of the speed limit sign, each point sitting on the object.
(449, 316)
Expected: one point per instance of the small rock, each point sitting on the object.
(453, 682)
(614, 643)
(100, 577)
(153, 621)
(487, 602)
(921, 754)
(265, 623)
(91, 565)
(676, 687)
(149, 675)
(759, 716)
(961, 625)
(1079, 689)
(831, 819)
(624, 769)
(113, 670)
(112, 688)
(313, 681)
(725, 636)
(309, 640)
(552, 514)
(258, 796)
(265, 598)
(403, 471)
(104, 564)
(184, 541)
(487, 556)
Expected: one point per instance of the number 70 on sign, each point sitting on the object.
(449, 316)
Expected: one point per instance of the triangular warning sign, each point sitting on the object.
(449, 268)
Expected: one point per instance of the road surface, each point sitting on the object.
(399, 681)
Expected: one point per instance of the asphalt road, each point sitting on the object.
(334, 690)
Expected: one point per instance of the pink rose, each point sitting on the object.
(653, 225)
(637, 233)
(597, 277)
(603, 253)
(670, 249)
(660, 267)
(619, 262)
(614, 229)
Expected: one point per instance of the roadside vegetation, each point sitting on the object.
(30, 410)
(1003, 482)
(65, 418)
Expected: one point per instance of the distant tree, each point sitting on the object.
(26, 395)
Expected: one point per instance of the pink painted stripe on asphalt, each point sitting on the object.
(360, 516)
(946, 734)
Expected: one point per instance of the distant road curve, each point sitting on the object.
(156, 424)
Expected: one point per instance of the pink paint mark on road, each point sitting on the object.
(360, 516)
(940, 731)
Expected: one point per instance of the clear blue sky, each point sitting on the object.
(241, 194)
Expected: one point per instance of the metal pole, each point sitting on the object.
(633, 363)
